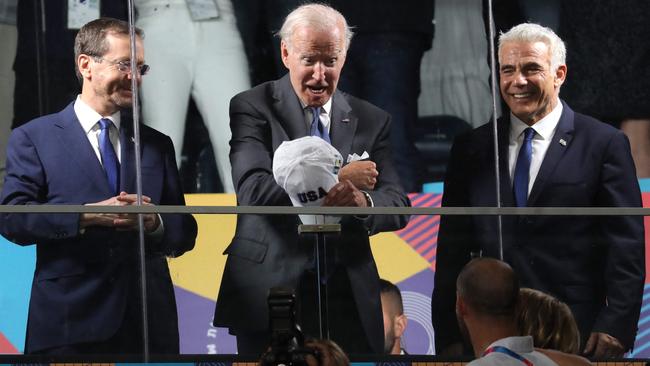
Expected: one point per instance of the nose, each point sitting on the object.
(520, 79)
(137, 74)
(318, 72)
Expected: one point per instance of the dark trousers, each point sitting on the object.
(345, 327)
(128, 339)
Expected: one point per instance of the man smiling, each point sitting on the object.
(549, 156)
(86, 294)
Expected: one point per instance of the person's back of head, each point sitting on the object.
(486, 295)
(329, 353)
(490, 287)
(548, 320)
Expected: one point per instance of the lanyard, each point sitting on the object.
(508, 352)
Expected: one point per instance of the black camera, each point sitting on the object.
(287, 340)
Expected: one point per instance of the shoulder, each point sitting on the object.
(477, 141)
(42, 127)
(564, 359)
(597, 135)
(362, 107)
(262, 91)
(151, 135)
(588, 124)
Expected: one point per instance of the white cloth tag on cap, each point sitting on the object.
(355, 157)
(81, 12)
(203, 9)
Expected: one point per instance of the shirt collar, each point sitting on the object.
(88, 117)
(544, 128)
(326, 108)
(521, 344)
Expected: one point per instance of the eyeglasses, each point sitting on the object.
(125, 65)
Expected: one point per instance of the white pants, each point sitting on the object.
(201, 59)
(8, 40)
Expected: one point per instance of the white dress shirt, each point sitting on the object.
(325, 111)
(544, 131)
(89, 120)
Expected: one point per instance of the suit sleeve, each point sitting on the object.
(26, 184)
(388, 192)
(453, 249)
(180, 229)
(251, 156)
(625, 260)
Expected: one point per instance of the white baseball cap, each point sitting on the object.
(307, 168)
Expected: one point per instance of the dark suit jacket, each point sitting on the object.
(266, 250)
(83, 282)
(595, 264)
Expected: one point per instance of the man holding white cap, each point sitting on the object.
(267, 250)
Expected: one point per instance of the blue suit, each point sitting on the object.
(596, 264)
(84, 282)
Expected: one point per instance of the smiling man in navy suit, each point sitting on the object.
(267, 250)
(554, 157)
(85, 295)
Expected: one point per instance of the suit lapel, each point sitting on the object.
(80, 152)
(343, 124)
(289, 110)
(559, 144)
(503, 128)
(127, 146)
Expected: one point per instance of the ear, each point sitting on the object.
(399, 325)
(560, 75)
(461, 307)
(83, 64)
(284, 52)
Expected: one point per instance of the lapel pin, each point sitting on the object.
(562, 142)
(132, 139)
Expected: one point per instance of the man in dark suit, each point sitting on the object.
(267, 250)
(86, 291)
(548, 156)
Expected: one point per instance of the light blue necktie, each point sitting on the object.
(522, 169)
(109, 158)
(317, 128)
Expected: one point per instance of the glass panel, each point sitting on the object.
(201, 56)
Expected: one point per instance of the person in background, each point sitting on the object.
(548, 320)
(486, 299)
(395, 320)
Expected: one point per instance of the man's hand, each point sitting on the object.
(345, 194)
(602, 346)
(363, 174)
(120, 221)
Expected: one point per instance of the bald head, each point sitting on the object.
(489, 286)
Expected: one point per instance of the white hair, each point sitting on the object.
(531, 32)
(318, 16)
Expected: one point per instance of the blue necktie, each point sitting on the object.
(522, 169)
(109, 158)
(317, 128)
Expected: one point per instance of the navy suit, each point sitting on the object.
(596, 264)
(83, 282)
(267, 250)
